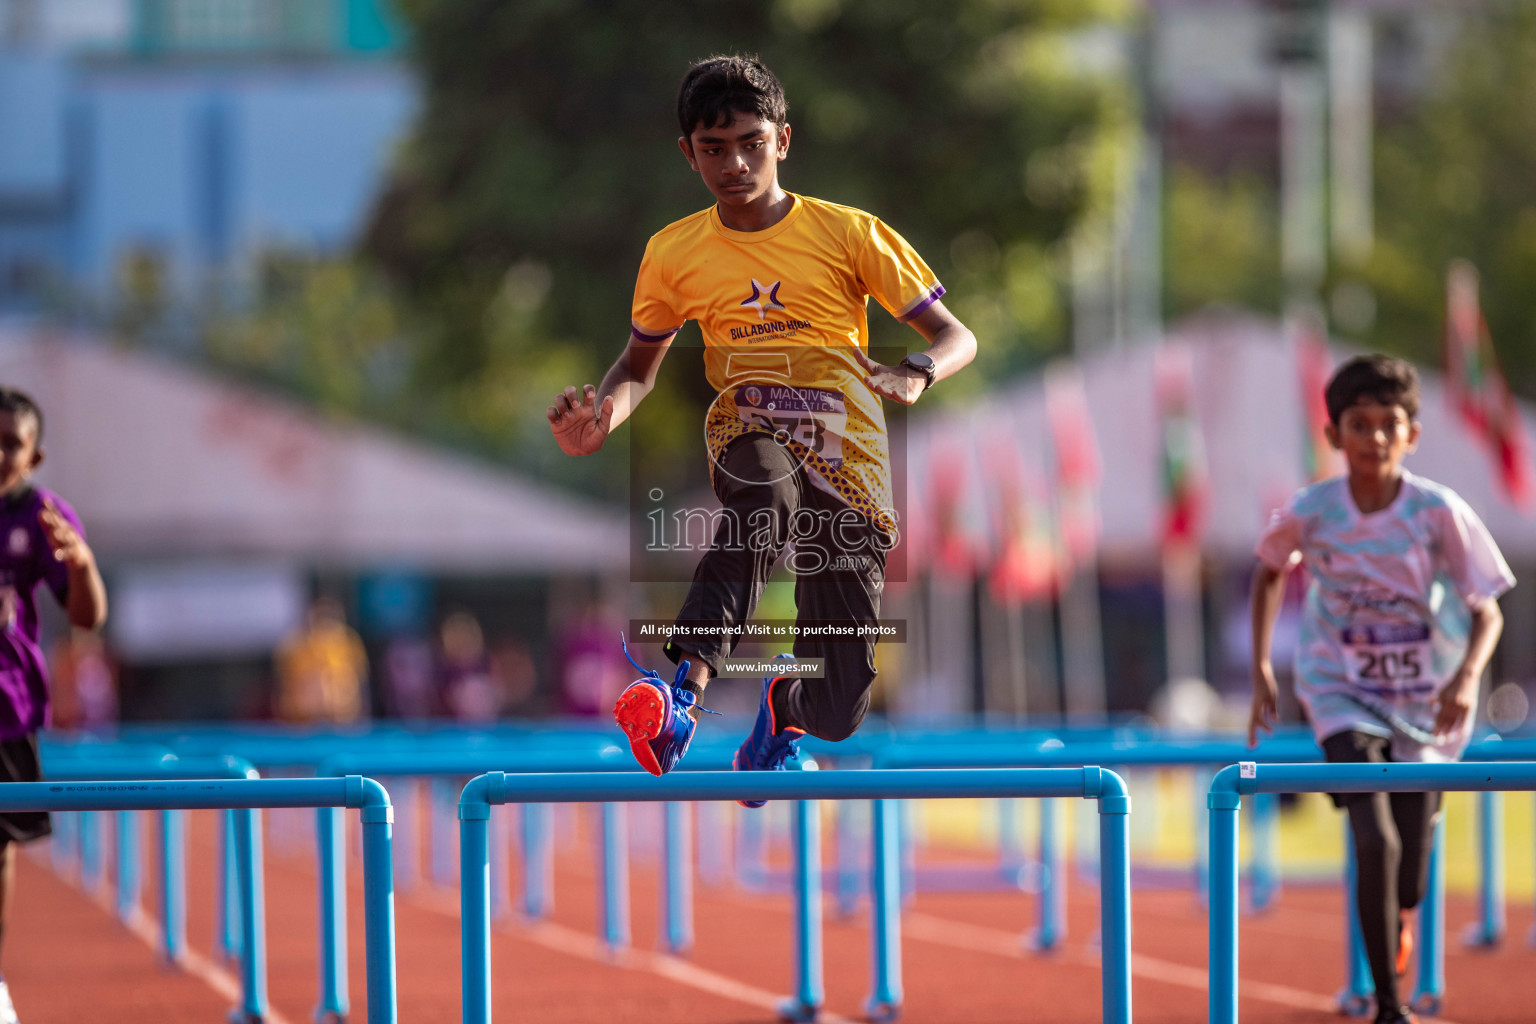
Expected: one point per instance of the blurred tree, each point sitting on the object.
(1221, 243)
(1456, 180)
(544, 157)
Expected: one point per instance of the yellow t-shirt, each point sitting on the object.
(782, 311)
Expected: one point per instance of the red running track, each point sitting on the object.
(67, 959)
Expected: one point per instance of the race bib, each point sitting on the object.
(1389, 659)
(816, 417)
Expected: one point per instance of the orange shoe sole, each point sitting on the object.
(640, 712)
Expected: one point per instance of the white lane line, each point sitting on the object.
(984, 939)
(588, 947)
(148, 931)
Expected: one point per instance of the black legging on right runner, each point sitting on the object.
(1393, 834)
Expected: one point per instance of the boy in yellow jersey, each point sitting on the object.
(779, 284)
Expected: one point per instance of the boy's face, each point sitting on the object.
(19, 453)
(1374, 438)
(739, 161)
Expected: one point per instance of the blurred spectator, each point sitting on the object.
(591, 666)
(1189, 706)
(322, 670)
(84, 682)
(516, 675)
(470, 691)
(410, 677)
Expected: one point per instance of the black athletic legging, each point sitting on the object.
(1393, 835)
(839, 563)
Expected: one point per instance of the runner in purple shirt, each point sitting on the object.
(41, 541)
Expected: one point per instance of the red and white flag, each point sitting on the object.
(1027, 556)
(1078, 468)
(1477, 389)
(1183, 449)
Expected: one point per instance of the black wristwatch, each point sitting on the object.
(922, 362)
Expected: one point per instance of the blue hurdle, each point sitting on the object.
(239, 889)
(248, 794)
(1225, 798)
(586, 755)
(883, 786)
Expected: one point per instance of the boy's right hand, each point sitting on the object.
(1266, 703)
(580, 426)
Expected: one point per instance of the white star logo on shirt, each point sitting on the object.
(764, 297)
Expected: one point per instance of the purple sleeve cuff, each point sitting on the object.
(653, 337)
(916, 307)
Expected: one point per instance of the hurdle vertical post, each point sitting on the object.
(92, 873)
(128, 865)
(1010, 855)
(538, 860)
(330, 832)
(613, 869)
(885, 905)
(1263, 866)
(1051, 894)
(173, 875)
(378, 818)
(1359, 987)
(1221, 877)
(1488, 930)
(1114, 890)
(253, 920)
(846, 849)
(475, 900)
(677, 876)
(226, 910)
(1429, 979)
(810, 991)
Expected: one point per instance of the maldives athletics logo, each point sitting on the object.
(765, 297)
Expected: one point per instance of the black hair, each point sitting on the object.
(18, 403)
(1380, 378)
(717, 87)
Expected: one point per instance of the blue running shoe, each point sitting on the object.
(767, 748)
(654, 715)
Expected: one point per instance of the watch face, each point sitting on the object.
(919, 360)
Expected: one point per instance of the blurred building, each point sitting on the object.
(166, 145)
(1215, 68)
(217, 511)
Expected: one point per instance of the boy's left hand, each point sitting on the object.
(67, 544)
(898, 383)
(1455, 703)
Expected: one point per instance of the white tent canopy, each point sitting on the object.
(163, 461)
(1247, 398)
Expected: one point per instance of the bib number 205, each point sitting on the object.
(1388, 664)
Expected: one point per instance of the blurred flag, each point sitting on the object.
(1477, 389)
(1027, 558)
(1077, 460)
(917, 527)
(955, 527)
(1313, 365)
(1183, 450)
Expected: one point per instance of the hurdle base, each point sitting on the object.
(1427, 1003)
(329, 1017)
(878, 1012)
(1041, 941)
(1353, 1004)
(1480, 936)
(239, 1016)
(792, 1009)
